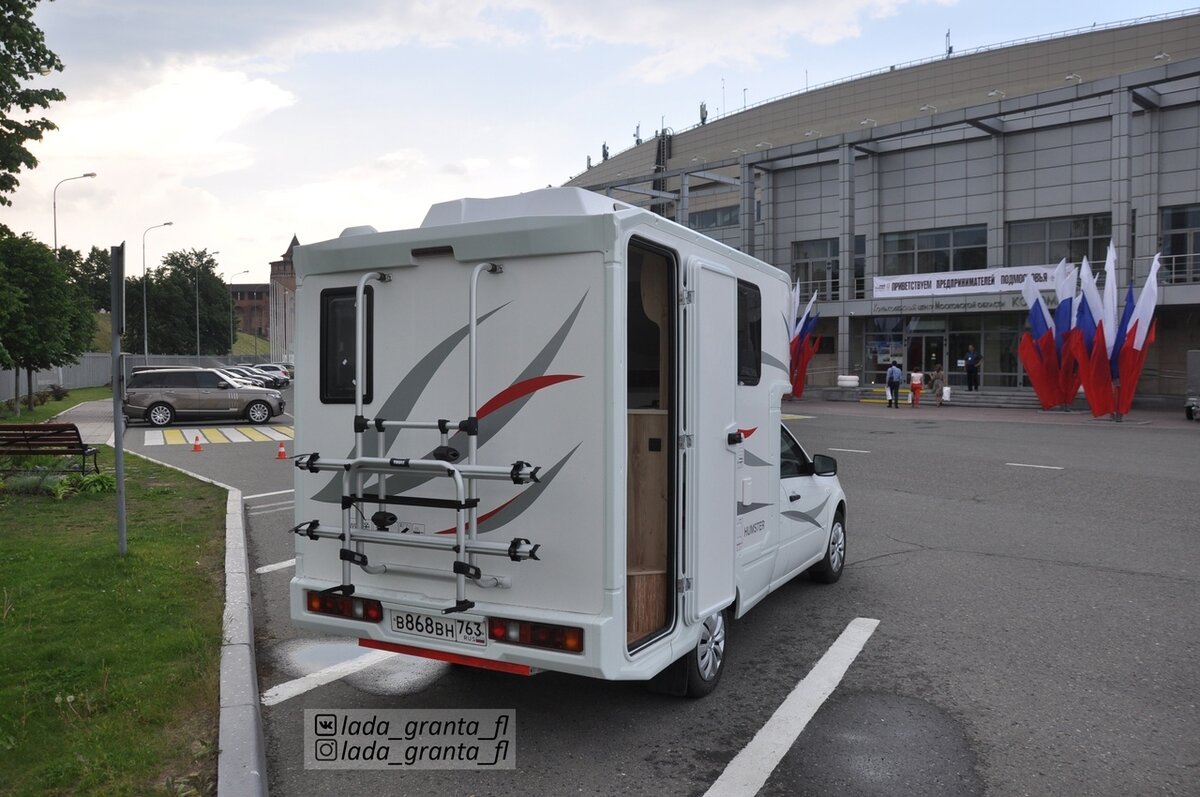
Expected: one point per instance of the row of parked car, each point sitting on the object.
(160, 395)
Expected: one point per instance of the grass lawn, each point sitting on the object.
(111, 666)
(43, 412)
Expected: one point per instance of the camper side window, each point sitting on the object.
(337, 346)
(749, 333)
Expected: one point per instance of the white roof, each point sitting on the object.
(543, 202)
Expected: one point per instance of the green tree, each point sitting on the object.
(23, 54)
(91, 274)
(186, 283)
(52, 322)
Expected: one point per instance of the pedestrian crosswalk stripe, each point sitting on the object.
(213, 434)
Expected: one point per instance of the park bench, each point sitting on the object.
(19, 440)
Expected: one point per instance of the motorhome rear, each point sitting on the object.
(543, 432)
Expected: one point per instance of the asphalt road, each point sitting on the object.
(1035, 580)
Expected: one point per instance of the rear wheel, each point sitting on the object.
(706, 661)
(258, 412)
(160, 415)
(829, 569)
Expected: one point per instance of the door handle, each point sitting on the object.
(793, 497)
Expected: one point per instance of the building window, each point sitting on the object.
(337, 371)
(860, 266)
(934, 251)
(1181, 244)
(749, 333)
(1045, 242)
(815, 268)
(714, 217)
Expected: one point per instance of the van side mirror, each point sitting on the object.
(824, 465)
(222, 385)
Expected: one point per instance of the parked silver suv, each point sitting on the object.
(162, 396)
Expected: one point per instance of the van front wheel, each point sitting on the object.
(706, 662)
(829, 569)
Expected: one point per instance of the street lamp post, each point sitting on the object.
(240, 273)
(210, 254)
(54, 197)
(145, 326)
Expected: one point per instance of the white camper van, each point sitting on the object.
(543, 432)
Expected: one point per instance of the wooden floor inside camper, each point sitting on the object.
(649, 493)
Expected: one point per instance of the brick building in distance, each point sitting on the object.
(268, 310)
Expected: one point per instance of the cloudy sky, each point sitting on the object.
(244, 122)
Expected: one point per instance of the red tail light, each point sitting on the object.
(536, 635)
(351, 608)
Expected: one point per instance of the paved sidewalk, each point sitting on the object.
(94, 419)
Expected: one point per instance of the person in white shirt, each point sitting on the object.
(916, 382)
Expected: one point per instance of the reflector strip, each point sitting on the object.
(453, 658)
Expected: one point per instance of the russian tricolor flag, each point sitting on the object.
(1111, 350)
(1040, 348)
(802, 344)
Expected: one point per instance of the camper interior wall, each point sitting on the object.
(650, 344)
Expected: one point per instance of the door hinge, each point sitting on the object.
(683, 584)
(685, 441)
(686, 296)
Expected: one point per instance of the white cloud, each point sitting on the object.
(183, 121)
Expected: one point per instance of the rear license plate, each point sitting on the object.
(463, 630)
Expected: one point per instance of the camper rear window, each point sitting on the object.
(337, 346)
(749, 333)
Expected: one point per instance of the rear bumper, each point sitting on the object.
(604, 656)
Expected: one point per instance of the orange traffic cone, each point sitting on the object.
(282, 452)
(196, 445)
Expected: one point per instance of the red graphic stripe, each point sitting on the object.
(482, 518)
(516, 391)
(745, 433)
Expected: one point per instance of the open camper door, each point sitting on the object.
(711, 516)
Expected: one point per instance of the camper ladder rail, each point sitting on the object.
(351, 552)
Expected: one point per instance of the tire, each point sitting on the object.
(705, 663)
(160, 414)
(258, 412)
(829, 569)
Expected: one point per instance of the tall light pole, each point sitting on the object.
(209, 254)
(240, 273)
(54, 196)
(145, 327)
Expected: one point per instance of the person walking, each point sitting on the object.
(893, 377)
(916, 381)
(971, 361)
(937, 381)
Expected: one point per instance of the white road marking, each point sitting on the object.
(290, 689)
(266, 495)
(235, 436)
(750, 768)
(255, 513)
(851, 450)
(276, 566)
(1023, 465)
(790, 417)
(154, 437)
(272, 504)
(274, 435)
